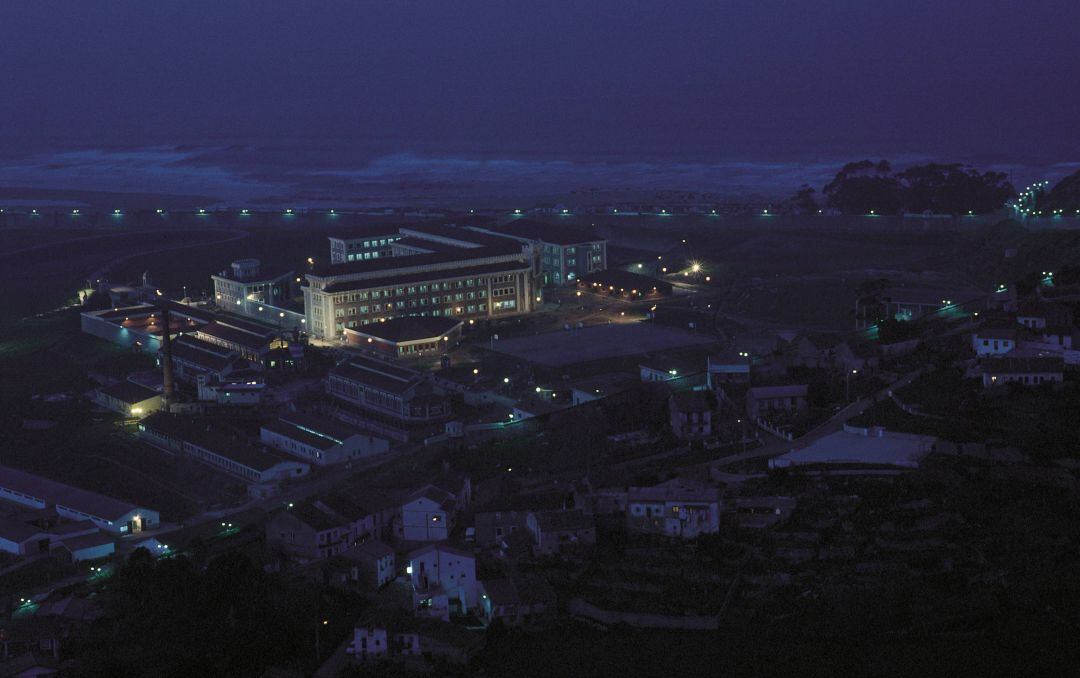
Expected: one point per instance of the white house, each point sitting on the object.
(443, 580)
(1025, 371)
(427, 515)
(129, 399)
(678, 508)
(372, 562)
(993, 341)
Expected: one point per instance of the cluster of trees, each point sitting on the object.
(867, 187)
(172, 618)
(1064, 196)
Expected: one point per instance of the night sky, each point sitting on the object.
(246, 92)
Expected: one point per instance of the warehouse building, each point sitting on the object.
(111, 515)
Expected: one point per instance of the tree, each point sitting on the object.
(864, 188)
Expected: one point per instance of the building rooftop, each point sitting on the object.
(378, 373)
(370, 549)
(18, 531)
(690, 401)
(676, 489)
(55, 493)
(440, 546)
(862, 447)
(785, 391)
(202, 353)
(562, 521)
(500, 247)
(213, 436)
(391, 279)
(323, 426)
(556, 234)
(246, 334)
(87, 541)
(1024, 365)
(128, 392)
(605, 384)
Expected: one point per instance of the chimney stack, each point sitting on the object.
(166, 355)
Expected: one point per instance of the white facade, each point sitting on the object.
(993, 343)
(322, 451)
(442, 572)
(674, 509)
(369, 643)
(423, 519)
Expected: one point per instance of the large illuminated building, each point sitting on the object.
(245, 289)
(425, 271)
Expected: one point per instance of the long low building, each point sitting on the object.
(425, 271)
(111, 515)
(140, 326)
(319, 440)
(218, 446)
(407, 337)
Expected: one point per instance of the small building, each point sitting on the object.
(111, 515)
(761, 512)
(567, 253)
(760, 400)
(427, 515)
(21, 539)
(407, 336)
(88, 546)
(539, 405)
(232, 392)
(193, 357)
(386, 397)
(390, 635)
(252, 341)
(728, 368)
(1026, 371)
(565, 532)
(600, 386)
(518, 601)
(443, 580)
(679, 508)
(319, 440)
(372, 563)
(690, 415)
(133, 401)
(993, 340)
(245, 289)
(308, 532)
(680, 372)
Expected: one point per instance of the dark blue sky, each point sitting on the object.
(337, 83)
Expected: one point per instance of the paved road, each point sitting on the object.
(832, 425)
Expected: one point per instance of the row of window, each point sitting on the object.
(413, 289)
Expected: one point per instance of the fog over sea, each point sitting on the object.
(300, 174)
